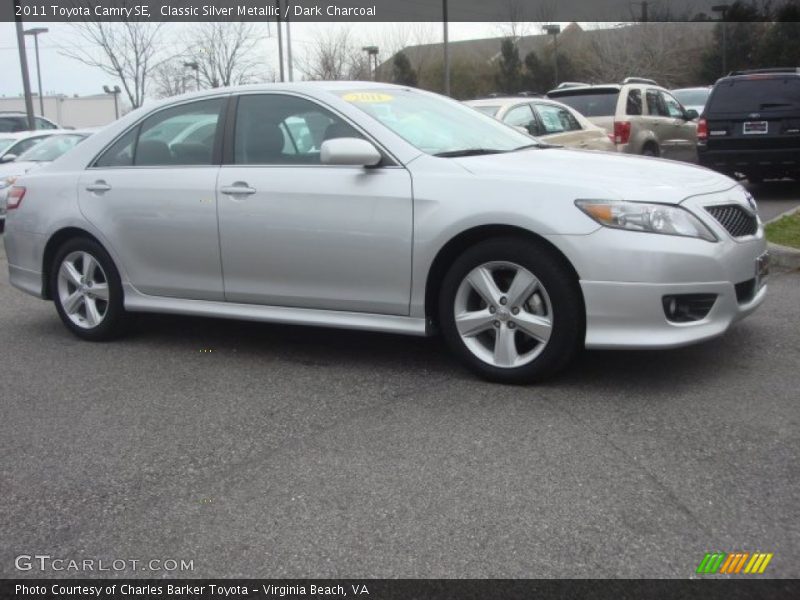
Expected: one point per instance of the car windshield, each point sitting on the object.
(436, 125)
(51, 148)
(5, 143)
(590, 103)
(691, 97)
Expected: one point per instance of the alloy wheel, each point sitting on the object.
(503, 314)
(83, 289)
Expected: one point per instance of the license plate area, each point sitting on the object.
(755, 127)
(762, 270)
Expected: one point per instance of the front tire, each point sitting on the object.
(87, 291)
(511, 311)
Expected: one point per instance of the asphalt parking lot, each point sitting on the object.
(276, 451)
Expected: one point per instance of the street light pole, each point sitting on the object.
(723, 10)
(23, 65)
(446, 50)
(280, 39)
(116, 92)
(35, 31)
(554, 30)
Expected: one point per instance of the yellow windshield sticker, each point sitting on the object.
(367, 97)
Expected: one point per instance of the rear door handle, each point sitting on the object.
(98, 186)
(238, 188)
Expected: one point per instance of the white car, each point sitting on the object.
(14, 144)
(56, 144)
(403, 212)
(547, 120)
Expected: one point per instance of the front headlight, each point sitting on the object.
(647, 217)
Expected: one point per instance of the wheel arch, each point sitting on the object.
(56, 240)
(458, 244)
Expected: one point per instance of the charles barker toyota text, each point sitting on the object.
(210, 10)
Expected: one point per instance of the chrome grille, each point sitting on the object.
(736, 220)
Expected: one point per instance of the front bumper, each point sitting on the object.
(631, 315)
(626, 275)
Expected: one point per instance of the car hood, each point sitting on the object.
(613, 176)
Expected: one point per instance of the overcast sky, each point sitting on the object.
(64, 75)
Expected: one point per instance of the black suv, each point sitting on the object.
(751, 125)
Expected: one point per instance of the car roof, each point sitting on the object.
(691, 89)
(504, 101)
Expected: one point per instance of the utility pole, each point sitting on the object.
(723, 9)
(280, 40)
(35, 31)
(554, 30)
(23, 64)
(289, 50)
(644, 12)
(446, 50)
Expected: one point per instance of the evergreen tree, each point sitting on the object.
(403, 73)
(509, 75)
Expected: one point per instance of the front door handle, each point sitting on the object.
(238, 188)
(98, 186)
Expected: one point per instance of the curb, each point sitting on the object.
(783, 257)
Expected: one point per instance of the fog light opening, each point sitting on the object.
(686, 308)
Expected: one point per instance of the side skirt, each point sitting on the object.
(135, 301)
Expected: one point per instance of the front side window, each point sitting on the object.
(277, 129)
(556, 119)
(178, 136)
(674, 109)
(433, 124)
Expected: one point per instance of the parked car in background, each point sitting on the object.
(14, 144)
(13, 121)
(640, 116)
(56, 145)
(693, 98)
(548, 120)
(406, 212)
(751, 125)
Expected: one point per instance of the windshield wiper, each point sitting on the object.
(536, 145)
(468, 152)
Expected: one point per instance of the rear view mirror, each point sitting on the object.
(8, 158)
(691, 114)
(354, 152)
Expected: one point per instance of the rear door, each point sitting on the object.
(758, 112)
(153, 194)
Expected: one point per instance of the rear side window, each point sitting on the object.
(655, 104)
(13, 124)
(179, 136)
(755, 95)
(591, 103)
(633, 106)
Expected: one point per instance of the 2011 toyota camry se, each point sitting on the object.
(379, 207)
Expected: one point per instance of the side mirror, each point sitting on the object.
(8, 158)
(353, 152)
(691, 114)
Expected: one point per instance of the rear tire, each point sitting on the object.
(651, 150)
(511, 312)
(87, 291)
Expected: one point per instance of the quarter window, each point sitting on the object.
(522, 116)
(277, 129)
(43, 124)
(633, 106)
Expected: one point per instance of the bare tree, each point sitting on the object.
(225, 52)
(333, 55)
(170, 78)
(127, 51)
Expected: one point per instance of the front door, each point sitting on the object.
(297, 233)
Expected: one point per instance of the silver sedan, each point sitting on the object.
(379, 207)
